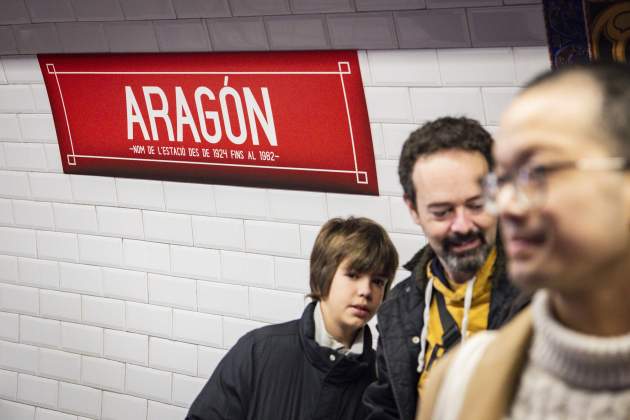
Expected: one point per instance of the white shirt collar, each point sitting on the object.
(324, 339)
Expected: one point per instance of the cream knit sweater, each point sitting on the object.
(572, 376)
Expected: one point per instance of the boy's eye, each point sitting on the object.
(379, 281)
(352, 274)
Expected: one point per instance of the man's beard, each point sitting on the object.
(468, 261)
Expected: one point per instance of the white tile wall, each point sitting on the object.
(125, 294)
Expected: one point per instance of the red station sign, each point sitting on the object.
(294, 120)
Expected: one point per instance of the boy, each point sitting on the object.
(318, 366)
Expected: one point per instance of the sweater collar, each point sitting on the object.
(582, 360)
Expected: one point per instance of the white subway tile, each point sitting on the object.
(388, 183)
(177, 292)
(388, 104)
(308, 234)
(81, 400)
(18, 357)
(432, 103)
(123, 407)
(44, 414)
(42, 103)
(149, 383)
(53, 158)
(125, 223)
(364, 67)
(148, 256)
(102, 373)
(272, 238)
(9, 128)
(24, 156)
(218, 232)
(8, 269)
(173, 356)
(235, 328)
(82, 338)
(104, 312)
(189, 198)
(248, 269)
(297, 206)
(93, 189)
(22, 69)
(57, 246)
(75, 218)
(39, 273)
(186, 389)
(292, 274)
(33, 214)
(39, 391)
(60, 365)
(6, 212)
(21, 299)
(80, 278)
(14, 184)
(241, 202)
(483, 66)
(376, 130)
(40, 331)
(16, 98)
(37, 128)
(167, 227)
(496, 101)
(395, 135)
(16, 411)
(126, 347)
(224, 299)
(195, 262)
(149, 319)
(407, 245)
(9, 326)
(194, 327)
(53, 187)
(159, 411)
(8, 384)
(209, 358)
(3, 163)
(404, 67)
(275, 306)
(125, 284)
(100, 250)
(375, 208)
(530, 62)
(140, 193)
(18, 242)
(401, 218)
(60, 305)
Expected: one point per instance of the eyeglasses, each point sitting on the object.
(526, 188)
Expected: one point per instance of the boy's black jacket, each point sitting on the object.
(279, 372)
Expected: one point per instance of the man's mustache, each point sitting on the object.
(459, 239)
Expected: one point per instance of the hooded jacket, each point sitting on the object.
(279, 372)
(394, 394)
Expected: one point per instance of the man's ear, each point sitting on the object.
(411, 206)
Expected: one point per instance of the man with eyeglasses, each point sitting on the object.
(562, 191)
(458, 284)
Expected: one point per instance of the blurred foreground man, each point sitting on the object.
(562, 190)
(458, 284)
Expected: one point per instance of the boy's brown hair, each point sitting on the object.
(363, 241)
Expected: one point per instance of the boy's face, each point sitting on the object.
(353, 298)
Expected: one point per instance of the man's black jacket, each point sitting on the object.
(394, 394)
(279, 372)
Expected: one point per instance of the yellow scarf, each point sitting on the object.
(454, 298)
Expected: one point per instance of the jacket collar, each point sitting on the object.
(491, 390)
(339, 368)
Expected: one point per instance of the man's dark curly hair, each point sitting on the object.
(446, 133)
